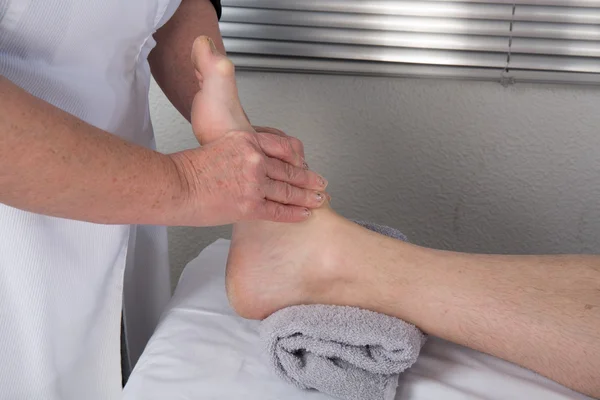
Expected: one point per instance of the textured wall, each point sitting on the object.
(468, 166)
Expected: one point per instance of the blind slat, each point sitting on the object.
(364, 37)
(366, 53)
(304, 65)
(365, 21)
(312, 65)
(556, 31)
(566, 15)
(570, 3)
(551, 63)
(556, 47)
(390, 7)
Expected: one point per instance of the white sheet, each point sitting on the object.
(202, 350)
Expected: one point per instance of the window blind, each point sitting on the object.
(507, 41)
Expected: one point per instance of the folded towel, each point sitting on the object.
(345, 352)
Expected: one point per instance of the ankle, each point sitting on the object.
(335, 278)
(368, 270)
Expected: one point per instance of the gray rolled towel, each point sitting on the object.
(345, 352)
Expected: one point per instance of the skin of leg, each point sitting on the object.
(540, 312)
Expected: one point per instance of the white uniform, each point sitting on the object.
(61, 281)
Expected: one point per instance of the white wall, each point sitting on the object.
(469, 166)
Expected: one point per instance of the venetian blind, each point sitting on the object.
(508, 41)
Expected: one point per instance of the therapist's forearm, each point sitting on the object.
(170, 60)
(53, 163)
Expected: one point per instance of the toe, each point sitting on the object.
(215, 72)
(208, 61)
(202, 52)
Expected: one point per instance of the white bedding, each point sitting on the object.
(202, 350)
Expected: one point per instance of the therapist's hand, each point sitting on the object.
(296, 144)
(248, 176)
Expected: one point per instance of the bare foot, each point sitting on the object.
(270, 265)
(216, 109)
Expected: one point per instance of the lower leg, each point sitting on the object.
(540, 312)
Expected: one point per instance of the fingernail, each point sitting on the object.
(322, 181)
(213, 48)
(304, 165)
(306, 212)
(319, 197)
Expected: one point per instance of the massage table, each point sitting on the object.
(203, 350)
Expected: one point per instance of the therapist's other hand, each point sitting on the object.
(247, 176)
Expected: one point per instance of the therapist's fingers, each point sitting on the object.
(281, 147)
(296, 176)
(284, 193)
(277, 212)
(296, 143)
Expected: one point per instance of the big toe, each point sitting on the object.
(212, 66)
